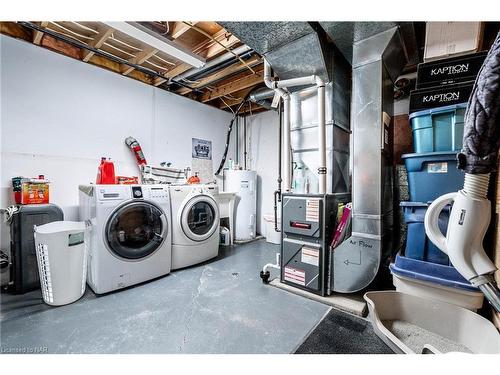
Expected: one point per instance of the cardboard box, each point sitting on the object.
(447, 39)
(34, 193)
(449, 71)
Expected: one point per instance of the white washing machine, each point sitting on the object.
(195, 224)
(131, 234)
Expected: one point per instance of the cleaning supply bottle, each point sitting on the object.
(194, 179)
(106, 173)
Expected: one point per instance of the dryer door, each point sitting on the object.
(200, 218)
(135, 230)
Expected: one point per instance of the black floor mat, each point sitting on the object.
(341, 333)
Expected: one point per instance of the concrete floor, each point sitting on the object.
(217, 307)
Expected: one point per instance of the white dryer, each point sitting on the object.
(195, 224)
(130, 236)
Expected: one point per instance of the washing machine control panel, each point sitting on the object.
(159, 193)
(137, 192)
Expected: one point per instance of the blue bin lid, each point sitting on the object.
(439, 155)
(430, 272)
(432, 111)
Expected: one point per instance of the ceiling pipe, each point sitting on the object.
(320, 84)
(285, 95)
(228, 56)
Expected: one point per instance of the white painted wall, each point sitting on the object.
(263, 137)
(59, 116)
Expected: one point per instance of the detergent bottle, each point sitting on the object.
(106, 172)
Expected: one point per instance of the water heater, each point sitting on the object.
(244, 184)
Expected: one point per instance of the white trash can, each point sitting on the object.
(271, 235)
(61, 252)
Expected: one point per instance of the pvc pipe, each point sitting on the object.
(301, 81)
(321, 138)
(286, 125)
(270, 265)
(287, 162)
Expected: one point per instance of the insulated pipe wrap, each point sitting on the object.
(482, 129)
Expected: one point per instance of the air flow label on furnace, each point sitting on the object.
(312, 210)
(295, 276)
(310, 256)
(437, 167)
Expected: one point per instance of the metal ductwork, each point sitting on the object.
(376, 61)
(296, 50)
(293, 49)
(262, 96)
(346, 34)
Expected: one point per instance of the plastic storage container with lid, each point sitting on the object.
(434, 281)
(418, 246)
(431, 175)
(62, 260)
(438, 129)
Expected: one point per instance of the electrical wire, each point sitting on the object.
(228, 134)
(227, 105)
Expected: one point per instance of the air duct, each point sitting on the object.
(376, 61)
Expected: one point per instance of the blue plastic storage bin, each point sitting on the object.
(432, 174)
(438, 129)
(430, 272)
(418, 246)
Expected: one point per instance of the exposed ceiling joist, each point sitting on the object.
(217, 43)
(179, 69)
(114, 51)
(236, 85)
(180, 28)
(138, 60)
(230, 70)
(97, 42)
(37, 35)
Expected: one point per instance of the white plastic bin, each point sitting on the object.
(271, 235)
(465, 298)
(62, 261)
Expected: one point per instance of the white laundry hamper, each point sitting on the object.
(61, 250)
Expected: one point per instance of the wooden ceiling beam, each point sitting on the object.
(211, 46)
(97, 42)
(212, 49)
(37, 35)
(180, 28)
(138, 60)
(232, 69)
(237, 85)
(179, 69)
(233, 100)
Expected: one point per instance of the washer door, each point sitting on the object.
(135, 230)
(200, 218)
